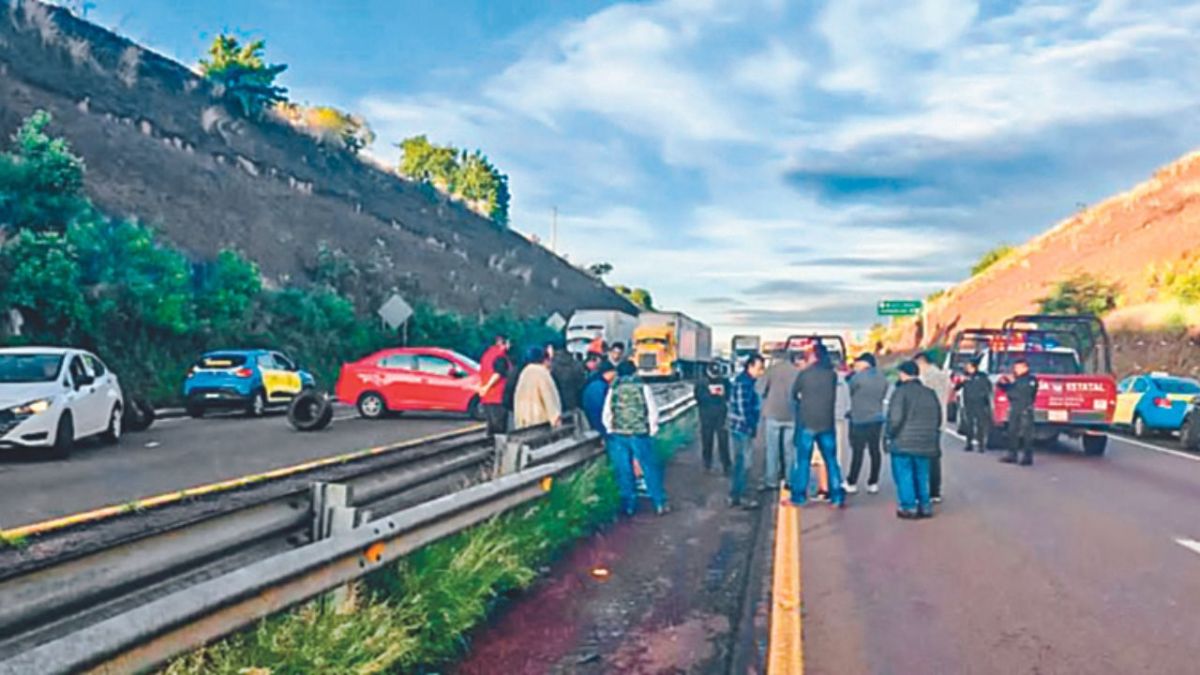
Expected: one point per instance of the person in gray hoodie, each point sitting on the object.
(775, 388)
(914, 421)
(868, 388)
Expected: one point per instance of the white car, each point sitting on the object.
(51, 397)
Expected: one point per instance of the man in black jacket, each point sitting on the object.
(914, 421)
(569, 376)
(815, 394)
(712, 397)
(975, 395)
(1022, 390)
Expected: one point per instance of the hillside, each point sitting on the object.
(160, 145)
(1119, 240)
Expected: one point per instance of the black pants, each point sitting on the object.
(977, 421)
(935, 476)
(497, 418)
(865, 437)
(712, 426)
(1020, 432)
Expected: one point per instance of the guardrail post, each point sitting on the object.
(333, 515)
(510, 456)
(579, 424)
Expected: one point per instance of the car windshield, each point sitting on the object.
(470, 363)
(20, 368)
(1177, 386)
(1045, 363)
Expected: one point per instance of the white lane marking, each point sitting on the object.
(1156, 448)
(345, 417)
(1190, 544)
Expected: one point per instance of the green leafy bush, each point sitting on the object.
(1082, 293)
(468, 176)
(1179, 279)
(243, 74)
(41, 181)
(991, 257)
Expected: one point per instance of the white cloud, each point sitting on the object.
(776, 71)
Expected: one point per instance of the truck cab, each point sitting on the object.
(655, 350)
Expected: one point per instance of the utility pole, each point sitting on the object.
(554, 231)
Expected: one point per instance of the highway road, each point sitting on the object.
(1075, 565)
(184, 452)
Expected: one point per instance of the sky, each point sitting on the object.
(764, 165)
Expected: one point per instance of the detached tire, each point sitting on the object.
(1189, 434)
(310, 411)
(139, 414)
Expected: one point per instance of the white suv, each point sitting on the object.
(51, 397)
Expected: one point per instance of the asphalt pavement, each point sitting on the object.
(183, 452)
(1075, 565)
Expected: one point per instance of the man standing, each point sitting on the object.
(745, 407)
(975, 393)
(914, 420)
(936, 379)
(868, 388)
(535, 398)
(815, 391)
(631, 418)
(491, 391)
(775, 388)
(712, 398)
(1021, 389)
(616, 353)
(595, 392)
(568, 374)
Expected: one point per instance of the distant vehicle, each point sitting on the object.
(1154, 403)
(51, 397)
(1072, 359)
(968, 345)
(742, 346)
(1189, 432)
(250, 380)
(671, 345)
(605, 325)
(834, 344)
(411, 379)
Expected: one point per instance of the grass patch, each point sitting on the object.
(13, 541)
(418, 612)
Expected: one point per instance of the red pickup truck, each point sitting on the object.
(1071, 357)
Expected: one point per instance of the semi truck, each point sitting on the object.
(589, 326)
(742, 347)
(671, 345)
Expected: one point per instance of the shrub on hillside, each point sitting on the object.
(991, 257)
(1081, 293)
(328, 125)
(41, 181)
(1179, 279)
(467, 176)
(243, 75)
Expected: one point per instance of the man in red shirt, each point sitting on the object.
(494, 369)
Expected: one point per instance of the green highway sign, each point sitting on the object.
(899, 307)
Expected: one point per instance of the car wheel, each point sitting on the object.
(64, 437)
(1189, 434)
(139, 414)
(372, 406)
(257, 406)
(1094, 445)
(115, 426)
(195, 411)
(1139, 427)
(475, 409)
(310, 411)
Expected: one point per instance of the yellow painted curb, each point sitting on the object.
(785, 647)
(111, 511)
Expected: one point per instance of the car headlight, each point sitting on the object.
(39, 406)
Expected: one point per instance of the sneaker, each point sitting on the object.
(905, 514)
(662, 509)
(937, 499)
(924, 513)
(851, 489)
(821, 496)
(873, 489)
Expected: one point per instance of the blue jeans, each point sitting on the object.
(622, 450)
(743, 450)
(911, 474)
(826, 442)
(780, 442)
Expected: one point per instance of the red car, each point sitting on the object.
(411, 378)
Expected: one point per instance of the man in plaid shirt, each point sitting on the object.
(745, 409)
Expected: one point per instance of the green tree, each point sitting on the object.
(43, 281)
(600, 269)
(41, 181)
(244, 75)
(425, 162)
(1081, 293)
(640, 297)
(991, 257)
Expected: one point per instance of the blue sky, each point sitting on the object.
(761, 164)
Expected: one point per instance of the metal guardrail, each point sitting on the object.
(137, 605)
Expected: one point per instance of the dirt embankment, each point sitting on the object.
(161, 146)
(1156, 222)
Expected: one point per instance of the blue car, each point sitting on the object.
(1154, 403)
(250, 380)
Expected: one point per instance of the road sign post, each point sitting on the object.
(894, 308)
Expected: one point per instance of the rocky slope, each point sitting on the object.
(161, 146)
